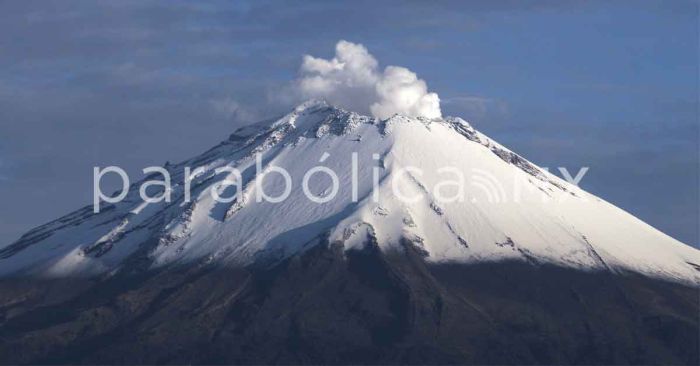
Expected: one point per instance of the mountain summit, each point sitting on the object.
(400, 240)
(509, 209)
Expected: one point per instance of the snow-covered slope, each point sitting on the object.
(512, 210)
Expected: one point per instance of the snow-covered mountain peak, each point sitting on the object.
(318, 114)
(390, 190)
(313, 105)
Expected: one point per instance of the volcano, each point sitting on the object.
(516, 266)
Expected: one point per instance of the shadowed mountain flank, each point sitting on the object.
(330, 306)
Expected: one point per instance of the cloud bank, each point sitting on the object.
(352, 80)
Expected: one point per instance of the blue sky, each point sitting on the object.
(609, 85)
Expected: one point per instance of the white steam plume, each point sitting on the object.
(352, 80)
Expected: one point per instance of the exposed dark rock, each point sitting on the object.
(329, 306)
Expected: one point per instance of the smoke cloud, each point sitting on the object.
(352, 80)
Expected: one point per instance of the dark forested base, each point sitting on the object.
(328, 306)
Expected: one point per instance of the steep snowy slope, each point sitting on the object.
(511, 209)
